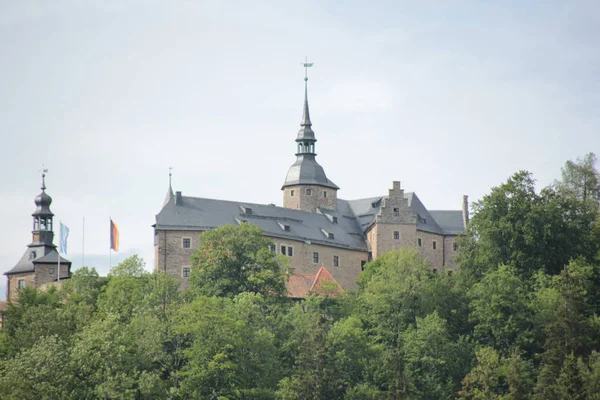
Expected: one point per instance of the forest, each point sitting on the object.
(520, 319)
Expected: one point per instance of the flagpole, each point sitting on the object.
(110, 244)
(83, 244)
(58, 253)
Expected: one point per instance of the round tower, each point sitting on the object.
(306, 186)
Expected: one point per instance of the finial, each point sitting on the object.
(305, 113)
(170, 173)
(44, 170)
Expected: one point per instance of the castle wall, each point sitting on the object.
(43, 275)
(302, 261)
(169, 254)
(320, 197)
(13, 283)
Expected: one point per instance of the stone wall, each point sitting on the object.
(320, 197)
(13, 283)
(43, 274)
(435, 257)
(381, 237)
(302, 262)
(169, 254)
(449, 253)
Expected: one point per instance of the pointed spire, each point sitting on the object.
(306, 132)
(44, 170)
(169, 194)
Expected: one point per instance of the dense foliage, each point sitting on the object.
(519, 320)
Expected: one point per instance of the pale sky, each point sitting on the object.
(448, 97)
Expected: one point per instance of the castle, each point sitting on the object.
(39, 265)
(323, 236)
(314, 228)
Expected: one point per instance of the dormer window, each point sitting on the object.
(328, 235)
(376, 204)
(246, 210)
(284, 227)
(334, 220)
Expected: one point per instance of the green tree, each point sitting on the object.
(497, 377)
(231, 353)
(514, 225)
(581, 179)
(40, 372)
(236, 259)
(501, 311)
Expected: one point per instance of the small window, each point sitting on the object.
(292, 193)
(396, 212)
(419, 242)
(330, 235)
(185, 272)
(336, 261)
(434, 244)
(187, 243)
(324, 193)
(290, 251)
(273, 248)
(32, 255)
(396, 235)
(362, 265)
(21, 283)
(308, 192)
(334, 220)
(315, 257)
(51, 270)
(455, 246)
(283, 250)
(286, 228)
(248, 210)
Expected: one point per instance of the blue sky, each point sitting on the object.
(449, 97)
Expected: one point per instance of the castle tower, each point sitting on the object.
(306, 186)
(38, 264)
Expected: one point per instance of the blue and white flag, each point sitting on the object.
(64, 235)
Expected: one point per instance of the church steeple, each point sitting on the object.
(169, 194)
(42, 233)
(306, 176)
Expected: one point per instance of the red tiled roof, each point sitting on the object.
(299, 286)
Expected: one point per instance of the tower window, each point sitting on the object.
(336, 261)
(185, 272)
(419, 242)
(32, 255)
(434, 244)
(292, 193)
(324, 193)
(396, 212)
(308, 192)
(21, 283)
(51, 270)
(315, 258)
(396, 235)
(455, 246)
(186, 243)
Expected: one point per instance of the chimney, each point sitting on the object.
(465, 210)
(178, 199)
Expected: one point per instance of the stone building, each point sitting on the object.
(314, 228)
(38, 266)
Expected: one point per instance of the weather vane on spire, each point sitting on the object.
(44, 171)
(170, 173)
(306, 66)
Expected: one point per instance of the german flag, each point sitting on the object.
(114, 236)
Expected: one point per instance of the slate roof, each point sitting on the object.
(201, 214)
(300, 285)
(448, 222)
(347, 224)
(307, 171)
(43, 254)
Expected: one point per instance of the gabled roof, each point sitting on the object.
(196, 213)
(37, 255)
(441, 222)
(299, 286)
